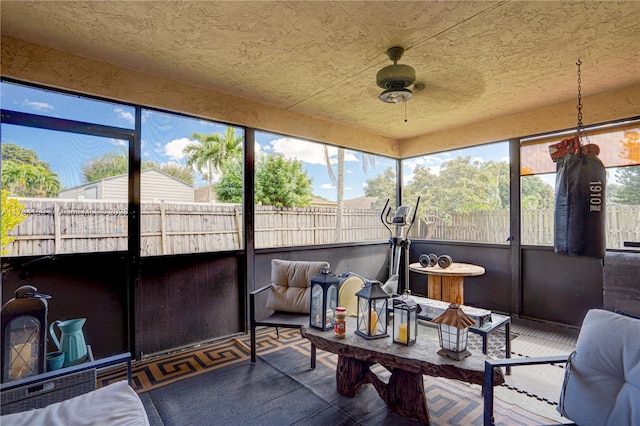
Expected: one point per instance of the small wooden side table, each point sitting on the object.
(447, 284)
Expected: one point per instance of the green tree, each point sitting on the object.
(12, 216)
(28, 180)
(214, 153)
(20, 155)
(229, 189)
(535, 193)
(281, 182)
(179, 171)
(117, 163)
(25, 175)
(382, 186)
(497, 175)
(107, 165)
(628, 188)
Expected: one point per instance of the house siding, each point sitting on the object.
(154, 185)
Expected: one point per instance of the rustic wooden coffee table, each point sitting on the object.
(404, 393)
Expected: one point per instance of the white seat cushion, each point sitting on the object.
(114, 405)
(603, 383)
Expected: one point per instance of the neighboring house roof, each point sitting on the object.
(319, 202)
(365, 203)
(200, 194)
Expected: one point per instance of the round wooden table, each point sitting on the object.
(447, 284)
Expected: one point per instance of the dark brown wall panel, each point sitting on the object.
(91, 286)
(489, 291)
(559, 288)
(185, 300)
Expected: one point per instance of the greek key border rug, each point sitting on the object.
(450, 401)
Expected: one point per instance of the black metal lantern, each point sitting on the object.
(405, 321)
(453, 328)
(324, 299)
(24, 327)
(372, 310)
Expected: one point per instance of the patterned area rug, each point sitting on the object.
(450, 401)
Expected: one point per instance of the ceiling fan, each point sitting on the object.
(395, 79)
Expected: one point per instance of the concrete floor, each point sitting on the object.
(280, 390)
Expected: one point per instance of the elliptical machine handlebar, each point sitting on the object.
(384, 216)
(413, 219)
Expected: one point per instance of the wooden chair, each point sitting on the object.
(602, 376)
(287, 298)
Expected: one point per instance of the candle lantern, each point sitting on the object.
(372, 310)
(453, 328)
(24, 326)
(324, 299)
(405, 321)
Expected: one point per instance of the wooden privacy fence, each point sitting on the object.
(294, 226)
(69, 226)
(623, 224)
(81, 226)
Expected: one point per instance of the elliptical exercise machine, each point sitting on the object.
(398, 243)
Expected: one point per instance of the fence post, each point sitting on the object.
(57, 240)
(236, 209)
(163, 227)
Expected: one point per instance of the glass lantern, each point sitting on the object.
(24, 325)
(405, 321)
(324, 300)
(372, 310)
(453, 328)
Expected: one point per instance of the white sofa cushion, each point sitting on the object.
(602, 385)
(115, 405)
(290, 282)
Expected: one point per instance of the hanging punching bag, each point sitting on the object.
(579, 227)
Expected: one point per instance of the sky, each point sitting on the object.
(165, 135)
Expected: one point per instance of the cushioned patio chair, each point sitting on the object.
(287, 296)
(602, 376)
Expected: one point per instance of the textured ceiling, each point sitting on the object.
(477, 60)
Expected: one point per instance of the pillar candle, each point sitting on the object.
(373, 324)
(402, 333)
(20, 360)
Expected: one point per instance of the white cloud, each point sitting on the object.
(258, 149)
(125, 115)
(349, 156)
(307, 152)
(175, 149)
(327, 186)
(37, 105)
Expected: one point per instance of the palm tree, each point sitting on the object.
(367, 159)
(214, 153)
(28, 180)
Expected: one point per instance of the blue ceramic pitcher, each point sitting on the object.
(71, 340)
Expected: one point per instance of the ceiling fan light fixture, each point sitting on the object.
(396, 96)
(395, 79)
(395, 75)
